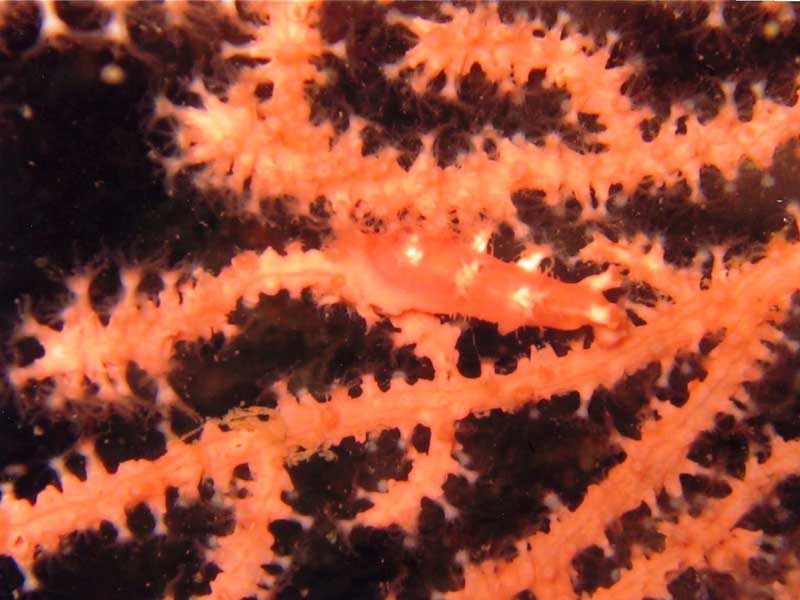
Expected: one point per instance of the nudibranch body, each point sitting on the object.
(438, 274)
(407, 300)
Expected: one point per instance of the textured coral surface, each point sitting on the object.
(399, 300)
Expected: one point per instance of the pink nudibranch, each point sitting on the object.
(439, 275)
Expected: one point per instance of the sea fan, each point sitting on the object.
(355, 300)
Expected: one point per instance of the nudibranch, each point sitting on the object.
(339, 300)
(442, 275)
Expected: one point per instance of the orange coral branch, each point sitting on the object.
(710, 540)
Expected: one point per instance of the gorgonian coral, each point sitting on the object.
(399, 299)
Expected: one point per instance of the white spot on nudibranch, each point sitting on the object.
(413, 252)
(466, 274)
(599, 314)
(480, 241)
(522, 297)
(528, 298)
